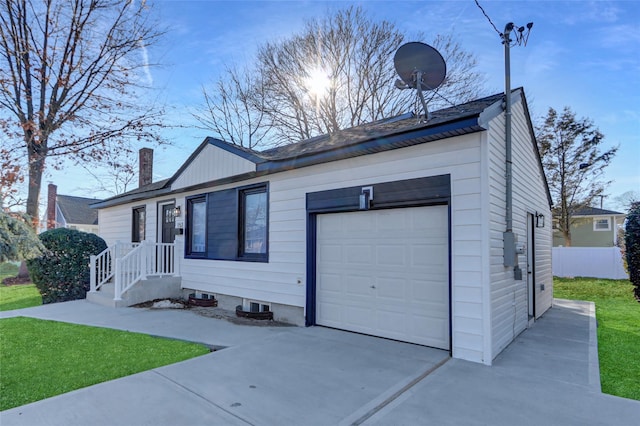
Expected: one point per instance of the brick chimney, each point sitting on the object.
(51, 205)
(145, 163)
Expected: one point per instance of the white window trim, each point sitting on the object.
(246, 305)
(595, 223)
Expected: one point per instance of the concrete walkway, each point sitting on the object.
(319, 376)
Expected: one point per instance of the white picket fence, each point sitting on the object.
(595, 262)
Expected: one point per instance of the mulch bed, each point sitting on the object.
(16, 280)
(218, 313)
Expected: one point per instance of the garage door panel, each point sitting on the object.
(359, 254)
(391, 289)
(425, 291)
(330, 253)
(330, 283)
(428, 255)
(392, 323)
(393, 255)
(358, 286)
(403, 255)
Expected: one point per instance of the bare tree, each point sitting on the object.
(71, 72)
(116, 174)
(234, 110)
(353, 54)
(574, 164)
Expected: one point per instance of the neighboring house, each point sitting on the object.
(393, 228)
(66, 211)
(592, 227)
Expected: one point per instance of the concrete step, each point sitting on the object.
(142, 291)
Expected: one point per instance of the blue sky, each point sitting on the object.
(582, 54)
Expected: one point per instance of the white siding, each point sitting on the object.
(277, 281)
(115, 223)
(212, 163)
(509, 312)
(488, 306)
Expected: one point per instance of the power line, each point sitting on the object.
(488, 19)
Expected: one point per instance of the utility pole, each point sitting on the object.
(510, 257)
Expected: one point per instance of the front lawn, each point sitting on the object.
(19, 296)
(40, 359)
(618, 315)
(16, 296)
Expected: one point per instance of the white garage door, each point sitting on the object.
(385, 273)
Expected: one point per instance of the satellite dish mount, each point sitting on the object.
(420, 67)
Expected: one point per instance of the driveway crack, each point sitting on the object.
(389, 399)
(202, 397)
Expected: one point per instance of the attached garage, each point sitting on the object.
(385, 273)
(382, 268)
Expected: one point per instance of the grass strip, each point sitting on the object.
(40, 359)
(19, 296)
(618, 315)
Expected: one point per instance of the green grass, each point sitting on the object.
(8, 269)
(16, 296)
(19, 296)
(40, 359)
(618, 315)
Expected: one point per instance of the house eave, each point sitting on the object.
(376, 144)
(138, 196)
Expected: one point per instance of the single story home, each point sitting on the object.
(592, 227)
(393, 228)
(68, 211)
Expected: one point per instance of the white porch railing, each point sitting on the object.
(128, 263)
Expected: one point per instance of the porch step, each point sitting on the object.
(143, 291)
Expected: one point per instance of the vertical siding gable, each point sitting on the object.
(210, 164)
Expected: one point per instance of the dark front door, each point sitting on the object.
(164, 255)
(168, 223)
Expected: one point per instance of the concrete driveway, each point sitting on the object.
(320, 376)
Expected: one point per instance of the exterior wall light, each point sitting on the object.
(539, 220)
(366, 196)
(177, 211)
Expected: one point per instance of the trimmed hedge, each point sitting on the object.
(632, 246)
(62, 274)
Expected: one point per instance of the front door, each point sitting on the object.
(164, 255)
(168, 223)
(531, 272)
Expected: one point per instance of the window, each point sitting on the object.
(255, 306)
(229, 224)
(138, 225)
(197, 226)
(253, 218)
(601, 224)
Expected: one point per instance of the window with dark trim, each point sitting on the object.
(138, 225)
(197, 226)
(230, 224)
(253, 223)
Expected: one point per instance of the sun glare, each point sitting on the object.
(318, 82)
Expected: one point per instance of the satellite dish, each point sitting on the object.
(415, 58)
(420, 67)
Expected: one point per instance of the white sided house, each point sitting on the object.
(393, 228)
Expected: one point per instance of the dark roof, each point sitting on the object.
(76, 210)
(404, 123)
(593, 211)
(382, 135)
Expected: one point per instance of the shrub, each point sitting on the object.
(62, 273)
(632, 246)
